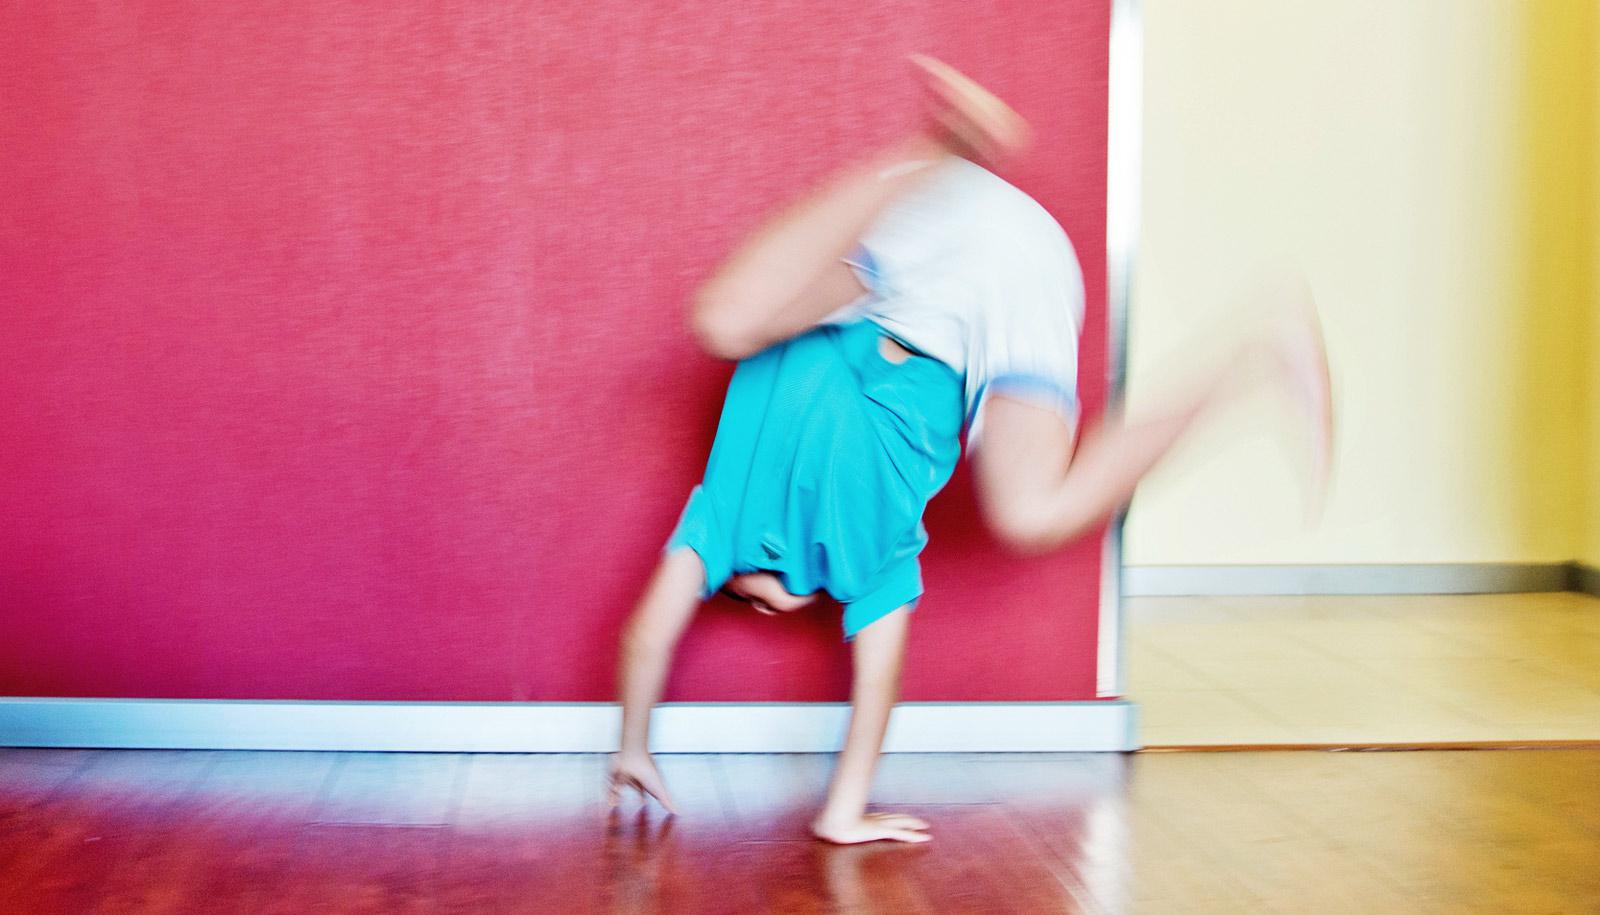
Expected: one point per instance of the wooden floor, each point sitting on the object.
(1379, 669)
(166, 831)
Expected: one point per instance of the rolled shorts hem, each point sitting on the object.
(902, 587)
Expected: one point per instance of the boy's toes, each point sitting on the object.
(1296, 339)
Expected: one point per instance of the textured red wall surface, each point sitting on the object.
(342, 351)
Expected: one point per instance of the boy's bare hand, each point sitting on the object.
(972, 121)
(637, 771)
(872, 827)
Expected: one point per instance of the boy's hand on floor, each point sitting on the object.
(637, 771)
(872, 827)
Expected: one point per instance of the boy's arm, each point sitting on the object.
(647, 647)
(789, 275)
(878, 652)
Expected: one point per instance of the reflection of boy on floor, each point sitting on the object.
(913, 296)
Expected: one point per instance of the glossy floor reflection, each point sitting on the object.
(1327, 670)
(156, 831)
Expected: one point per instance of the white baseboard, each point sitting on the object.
(1446, 578)
(492, 727)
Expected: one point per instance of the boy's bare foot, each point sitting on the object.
(973, 122)
(1295, 342)
(872, 827)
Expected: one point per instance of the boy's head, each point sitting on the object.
(763, 591)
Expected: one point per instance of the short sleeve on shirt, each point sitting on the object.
(1032, 358)
(866, 269)
(912, 244)
(1028, 345)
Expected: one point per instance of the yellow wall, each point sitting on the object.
(1418, 159)
(1590, 550)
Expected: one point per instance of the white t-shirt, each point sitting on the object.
(971, 271)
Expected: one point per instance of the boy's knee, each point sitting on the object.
(1022, 528)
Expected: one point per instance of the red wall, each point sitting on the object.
(342, 350)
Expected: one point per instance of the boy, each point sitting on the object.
(909, 298)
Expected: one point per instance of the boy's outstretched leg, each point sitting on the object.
(878, 652)
(1039, 493)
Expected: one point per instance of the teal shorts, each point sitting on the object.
(825, 458)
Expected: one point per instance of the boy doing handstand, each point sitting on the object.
(912, 297)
